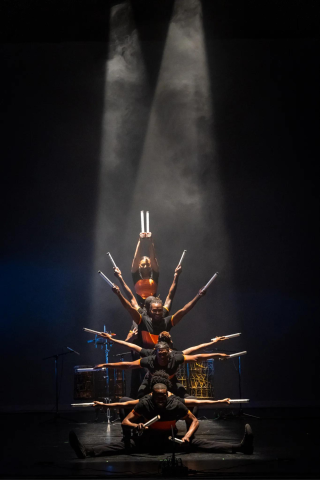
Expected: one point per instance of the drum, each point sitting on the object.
(83, 382)
(96, 384)
(197, 378)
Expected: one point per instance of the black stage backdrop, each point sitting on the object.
(202, 113)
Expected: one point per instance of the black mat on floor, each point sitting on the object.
(286, 446)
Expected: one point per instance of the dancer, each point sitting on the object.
(143, 303)
(162, 360)
(164, 337)
(162, 377)
(139, 384)
(145, 270)
(155, 439)
(150, 326)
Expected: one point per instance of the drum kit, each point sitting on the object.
(104, 384)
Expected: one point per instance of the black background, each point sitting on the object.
(262, 60)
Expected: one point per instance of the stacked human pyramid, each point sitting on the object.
(150, 414)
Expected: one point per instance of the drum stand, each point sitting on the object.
(57, 415)
(240, 412)
(108, 345)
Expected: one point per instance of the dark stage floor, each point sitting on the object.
(286, 446)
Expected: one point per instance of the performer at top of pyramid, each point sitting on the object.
(144, 304)
(145, 270)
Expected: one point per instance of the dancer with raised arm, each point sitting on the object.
(143, 303)
(150, 326)
(164, 337)
(145, 270)
(162, 360)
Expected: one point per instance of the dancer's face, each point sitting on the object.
(162, 356)
(145, 267)
(156, 311)
(160, 397)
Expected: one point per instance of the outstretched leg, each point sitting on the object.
(245, 446)
(83, 451)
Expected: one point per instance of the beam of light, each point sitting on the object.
(179, 140)
(125, 108)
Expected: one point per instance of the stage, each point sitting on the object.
(286, 446)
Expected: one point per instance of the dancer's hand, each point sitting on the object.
(140, 427)
(202, 292)
(185, 439)
(223, 356)
(178, 270)
(98, 403)
(131, 334)
(116, 290)
(105, 335)
(217, 339)
(99, 366)
(117, 272)
(225, 400)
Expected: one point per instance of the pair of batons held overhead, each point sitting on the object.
(147, 222)
(94, 331)
(233, 335)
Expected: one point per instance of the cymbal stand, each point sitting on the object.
(57, 415)
(123, 383)
(240, 412)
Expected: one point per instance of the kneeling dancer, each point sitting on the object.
(155, 439)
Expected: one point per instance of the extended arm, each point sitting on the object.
(128, 292)
(129, 423)
(181, 313)
(120, 365)
(190, 350)
(137, 255)
(204, 356)
(173, 288)
(121, 342)
(192, 425)
(133, 312)
(192, 403)
(117, 404)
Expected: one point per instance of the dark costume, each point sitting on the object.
(151, 364)
(148, 333)
(155, 439)
(149, 330)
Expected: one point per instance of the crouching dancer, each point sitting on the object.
(155, 438)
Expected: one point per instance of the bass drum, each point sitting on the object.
(94, 385)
